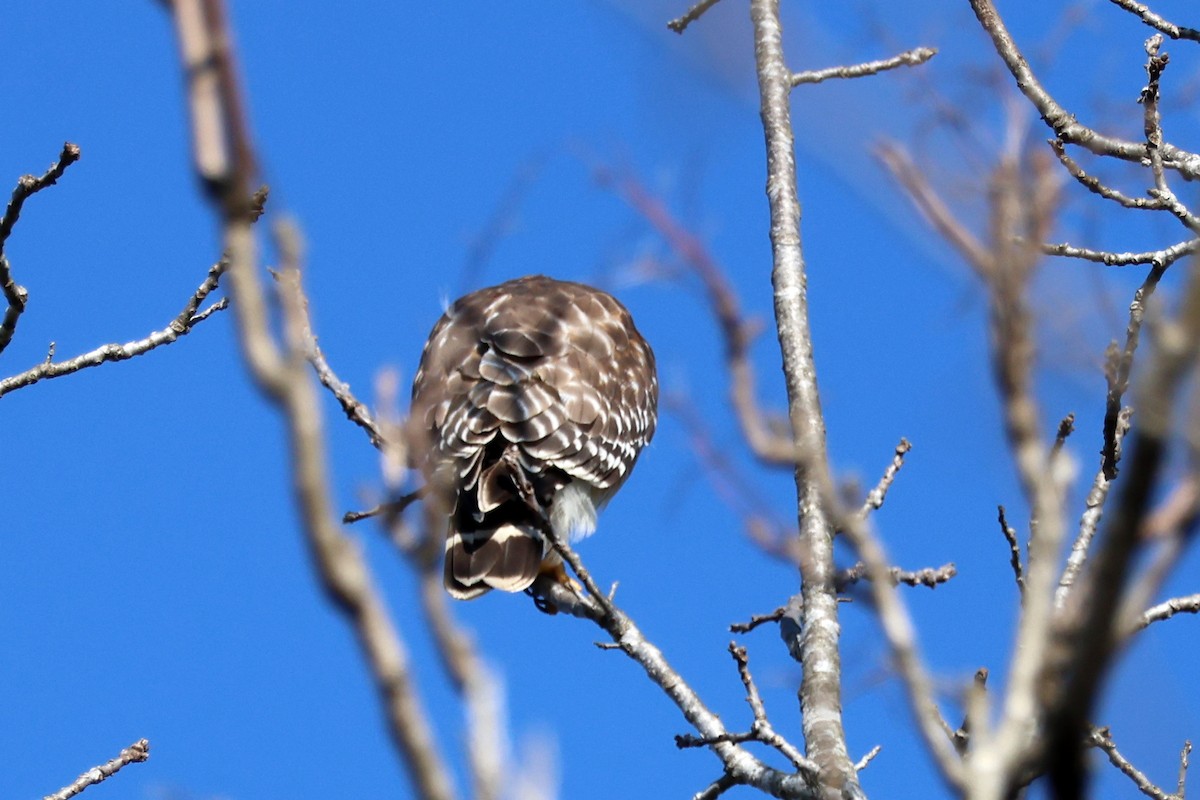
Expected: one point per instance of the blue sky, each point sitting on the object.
(156, 583)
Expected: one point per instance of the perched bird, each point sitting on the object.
(530, 407)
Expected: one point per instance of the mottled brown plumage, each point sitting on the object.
(531, 404)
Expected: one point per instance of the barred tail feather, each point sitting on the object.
(507, 558)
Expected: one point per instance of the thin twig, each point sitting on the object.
(355, 410)
(909, 58)
(877, 495)
(1158, 258)
(929, 576)
(868, 758)
(391, 507)
(758, 619)
(180, 326)
(1102, 738)
(760, 730)
(1064, 124)
(136, 753)
(737, 330)
(1096, 186)
(715, 789)
(679, 24)
(475, 682)
(1065, 428)
(14, 294)
(1014, 550)
(1168, 609)
(1157, 22)
(740, 765)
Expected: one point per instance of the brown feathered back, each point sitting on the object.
(531, 404)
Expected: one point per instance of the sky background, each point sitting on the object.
(155, 581)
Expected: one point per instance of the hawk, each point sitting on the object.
(531, 404)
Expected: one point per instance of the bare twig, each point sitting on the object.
(391, 507)
(475, 683)
(15, 295)
(137, 752)
(1064, 124)
(741, 767)
(1157, 258)
(877, 495)
(1065, 428)
(180, 326)
(1102, 738)
(868, 758)
(1157, 22)
(737, 331)
(1014, 549)
(758, 619)
(929, 576)
(717, 787)
(902, 639)
(761, 728)
(933, 208)
(1168, 609)
(355, 410)
(1096, 186)
(679, 24)
(909, 58)
(1083, 657)
(1184, 754)
(1118, 368)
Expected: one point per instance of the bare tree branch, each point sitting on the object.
(180, 326)
(1084, 656)
(741, 767)
(1168, 609)
(15, 295)
(225, 163)
(877, 495)
(909, 58)
(1155, 21)
(928, 577)
(1094, 184)
(355, 410)
(679, 24)
(760, 730)
(758, 619)
(137, 752)
(820, 689)
(1102, 738)
(933, 208)
(862, 763)
(1061, 121)
(1157, 258)
(475, 683)
(1014, 549)
(737, 331)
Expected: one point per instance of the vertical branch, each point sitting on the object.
(820, 690)
(279, 367)
(1085, 656)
